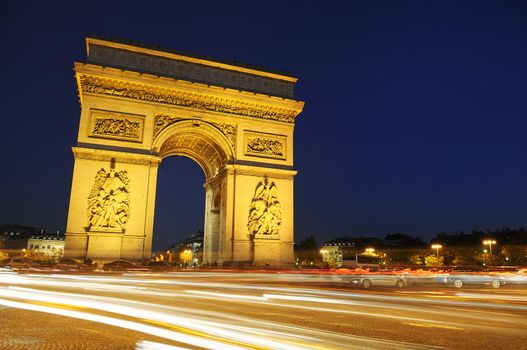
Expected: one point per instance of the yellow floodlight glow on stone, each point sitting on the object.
(237, 123)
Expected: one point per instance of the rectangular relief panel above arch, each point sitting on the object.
(116, 125)
(265, 145)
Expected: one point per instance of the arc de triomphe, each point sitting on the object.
(140, 105)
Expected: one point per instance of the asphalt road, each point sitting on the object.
(224, 310)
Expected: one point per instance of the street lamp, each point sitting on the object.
(489, 242)
(370, 250)
(437, 247)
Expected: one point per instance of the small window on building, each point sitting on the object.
(31, 246)
(36, 246)
(49, 247)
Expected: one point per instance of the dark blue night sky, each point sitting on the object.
(415, 117)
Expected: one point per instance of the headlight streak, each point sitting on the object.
(63, 298)
(238, 330)
(490, 296)
(141, 291)
(360, 342)
(111, 305)
(138, 327)
(212, 328)
(104, 279)
(148, 345)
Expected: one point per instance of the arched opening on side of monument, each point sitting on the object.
(214, 243)
(179, 203)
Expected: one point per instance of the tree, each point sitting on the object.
(417, 259)
(433, 260)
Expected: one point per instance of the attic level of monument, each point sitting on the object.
(118, 54)
(111, 82)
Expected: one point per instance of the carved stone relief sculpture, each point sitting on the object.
(229, 131)
(265, 212)
(265, 145)
(116, 126)
(185, 99)
(109, 201)
(163, 120)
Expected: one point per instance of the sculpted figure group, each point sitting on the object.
(265, 213)
(116, 127)
(109, 200)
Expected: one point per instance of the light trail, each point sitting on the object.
(222, 313)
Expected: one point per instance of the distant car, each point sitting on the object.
(379, 279)
(123, 265)
(159, 266)
(22, 263)
(462, 279)
(72, 264)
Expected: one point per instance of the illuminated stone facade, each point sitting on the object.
(140, 105)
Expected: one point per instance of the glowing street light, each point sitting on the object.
(489, 242)
(370, 250)
(437, 247)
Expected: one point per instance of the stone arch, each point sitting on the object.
(236, 122)
(208, 146)
(198, 140)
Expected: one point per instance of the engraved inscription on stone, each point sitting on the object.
(116, 126)
(190, 71)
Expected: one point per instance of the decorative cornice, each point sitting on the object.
(89, 84)
(120, 157)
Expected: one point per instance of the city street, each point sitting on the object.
(248, 310)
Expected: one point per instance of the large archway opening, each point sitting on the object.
(206, 145)
(180, 202)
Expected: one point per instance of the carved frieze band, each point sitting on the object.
(112, 125)
(162, 121)
(108, 87)
(265, 145)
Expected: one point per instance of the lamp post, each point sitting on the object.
(437, 247)
(489, 242)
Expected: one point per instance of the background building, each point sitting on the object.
(26, 240)
(189, 252)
